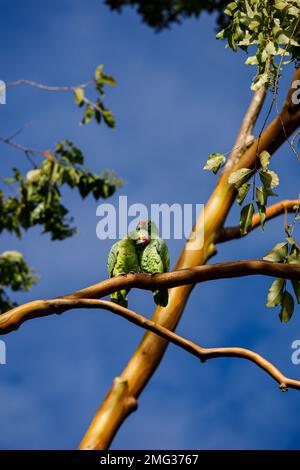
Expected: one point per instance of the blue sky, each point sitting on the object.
(180, 96)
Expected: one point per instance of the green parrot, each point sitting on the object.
(122, 259)
(153, 256)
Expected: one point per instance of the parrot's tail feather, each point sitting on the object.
(161, 297)
(120, 298)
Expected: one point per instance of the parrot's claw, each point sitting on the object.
(122, 274)
(132, 272)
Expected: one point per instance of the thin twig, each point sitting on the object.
(20, 147)
(41, 86)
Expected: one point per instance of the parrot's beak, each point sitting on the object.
(144, 239)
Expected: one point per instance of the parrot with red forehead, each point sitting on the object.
(153, 256)
(123, 259)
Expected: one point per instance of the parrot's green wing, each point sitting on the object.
(155, 258)
(112, 259)
(164, 254)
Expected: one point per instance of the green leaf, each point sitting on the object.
(261, 200)
(252, 60)
(230, 8)
(79, 96)
(280, 5)
(88, 114)
(289, 238)
(278, 253)
(98, 73)
(250, 13)
(294, 256)
(214, 162)
(220, 34)
(264, 159)
(261, 195)
(246, 218)
(12, 256)
(274, 179)
(265, 178)
(293, 11)
(270, 48)
(287, 307)
(296, 287)
(275, 293)
(269, 179)
(262, 80)
(33, 175)
(270, 192)
(108, 117)
(108, 80)
(239, 177)
(102, 79)
(262, 215)
(242, 192)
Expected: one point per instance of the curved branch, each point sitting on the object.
(14, 318)
(198, 351)
(94, 439)
(230, 233)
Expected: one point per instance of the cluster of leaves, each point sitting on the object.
(271, 26)
(239, 179)
(159, 14)
(96, 110)
(15, 274)
(260, 194)
(38, 198)
(38, 202)
(285, 252)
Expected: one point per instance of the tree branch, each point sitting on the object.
(20, 147)
(14, 318)
(245, 138)
(282, 207)
(150, 351)
(94, 440)
(41, 86)
(61, 305)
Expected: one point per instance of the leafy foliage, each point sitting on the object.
(38, 202)
(160, 14)
(285, 252)
(272, 27)
(15, 274)
(96, 110)
(260, 194)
